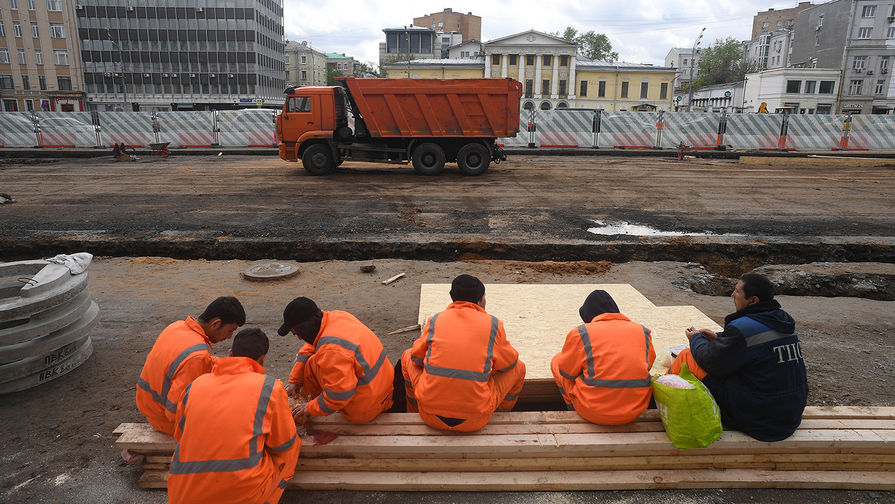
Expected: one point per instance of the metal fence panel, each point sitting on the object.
(17, 130)
(133, 129)
(814, 132)
(872, 132)
(627, 129)
(246, 128)
(186, 128)
(522, 136)
(696, 129)
(566, 128)
(66, 129)
(753, 131)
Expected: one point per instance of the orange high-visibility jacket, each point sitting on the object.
(181, 354)
(236, 439)
(349, 364)
(459, 349)
(609, 361)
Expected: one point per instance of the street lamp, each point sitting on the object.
(117, 46)
(692, 64)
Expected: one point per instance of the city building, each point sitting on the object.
(408, 43)
(305, 66)
(552, 74)
(775, 19)
(770, 50)
(40, 67)
(164, 55)
(448, 40)
(727, 97)
(857, 38)
(446, 21)
(468, 49)
(803, 90)
(346, 65)
(683, 61)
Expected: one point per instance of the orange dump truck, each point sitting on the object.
(424, 121)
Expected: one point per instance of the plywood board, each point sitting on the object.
(537, 317)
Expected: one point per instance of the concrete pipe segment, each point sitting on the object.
(46, 315)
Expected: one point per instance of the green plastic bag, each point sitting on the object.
(690, 416)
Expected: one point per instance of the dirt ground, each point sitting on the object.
(56, 444)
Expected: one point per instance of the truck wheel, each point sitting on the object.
(318, 160)
(428, 159)
(473, 159)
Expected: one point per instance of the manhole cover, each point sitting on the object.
(270, 271)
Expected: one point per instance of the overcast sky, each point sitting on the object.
(641, 31)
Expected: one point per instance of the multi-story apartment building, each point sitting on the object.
(770, 50)
(305, 66)
(40, 67)
(347, 65)
(179, 55)
(684, 62)
(857, 37)
(552, 74)
(776, 19)
(408, 43)
(468, 25)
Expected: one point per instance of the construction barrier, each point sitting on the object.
(627, 129)
(698, 130)
(251, 127)
(871, 132)
(187, 128)
(566, 128)
(17, 129)
(754, 131)
(66, 129)
(814, 132)
(523, 136)
(133, 129)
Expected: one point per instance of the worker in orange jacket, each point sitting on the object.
(181, 354)
(603, 368)
(462, 368)
(342, 365)
(236, 439)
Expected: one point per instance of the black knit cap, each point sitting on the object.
(298, 310)
(598, 302)
(467, 288)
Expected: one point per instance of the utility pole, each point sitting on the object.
(117, 46)
(692, 64)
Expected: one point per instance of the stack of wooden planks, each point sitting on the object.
(835, 447)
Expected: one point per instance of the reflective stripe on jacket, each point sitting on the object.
(236, 439)
(349, 363)
(609, 360)
(181, 354)
(459, 349)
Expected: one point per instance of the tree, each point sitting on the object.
(595, 46)
(722, 62)
(366, 67)
(331, 74)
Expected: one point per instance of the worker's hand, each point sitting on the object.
(708, 333)
(292, 389)
(690, 331)
(300, 413)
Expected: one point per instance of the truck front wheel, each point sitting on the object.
(318, 160)
(473, 159)
(428, 159)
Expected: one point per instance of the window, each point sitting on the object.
(6, 82)
(17, 28)
(793, 86)
(13, 4)
(663, 91)
(529, 60)
(816, 39)
(879, 87)
(304, 59)
(820, 20)
(21, 56)
(26, 82)
(57, 30)
(563, 61)
(685, 62)
(854, 88)
(54, 5)
(868, 11)
(304, 75)
(779, 22)
(31, 5)
(624, 89)
(864, 33)
(883, 63)
(562, 87)
(810, 86)
(514, 60)
(495, 59)
(11, 105)
(64, 83)
(583, 91)
(826, 87)
(859, 62)
(764, 25)
(890, 32)
(35, 30)
(39, 57)
(529, 88)
(547, 60)
(545, 87)
(29, 105)
(601, 89)
(824, 108)
(2, 29)
(60, 57)
(644, 90)
(4, 56)
(42, 82)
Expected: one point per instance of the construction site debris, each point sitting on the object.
(414, 327)
(270, 271)
(368, 268)
(392, 279)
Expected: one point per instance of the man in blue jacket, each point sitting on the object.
(754, 368)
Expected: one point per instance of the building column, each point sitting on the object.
(537, 83)
(487, 65)
(522, 73)
(503, 65)
(573, 90)
(554, 83)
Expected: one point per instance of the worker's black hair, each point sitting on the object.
(226, 308)
(757, 285)
(251, 343)
(467, 288)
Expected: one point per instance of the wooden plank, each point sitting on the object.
(143, 441)
(153, 479)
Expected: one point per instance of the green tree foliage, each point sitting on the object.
(331, 74)
(595, 46)
(722, 62)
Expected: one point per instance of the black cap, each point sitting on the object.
(598, 302)
(467, 288)
(298, 310)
